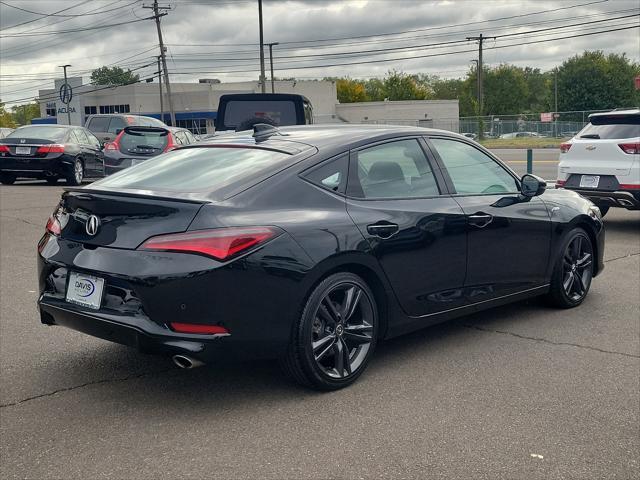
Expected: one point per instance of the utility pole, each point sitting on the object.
(65, 82)
(262, 79)
(480, 39)
(160, 83)
(157, 15)
(555, 112)
(271, 45)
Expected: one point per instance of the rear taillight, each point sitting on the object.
(564, 147)
(4, 149)
(52, 148)
(560, 183)
(53, 224)
(170, 143)
(198, 328)
(111, 146)
(630, 148)
(219, 243)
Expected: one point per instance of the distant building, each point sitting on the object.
(196, 104)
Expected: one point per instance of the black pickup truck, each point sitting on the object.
(241, 111)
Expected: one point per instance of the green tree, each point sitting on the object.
(540, 88)
(350, 91)
(113, 76)
(400, 86)
(22, 114)
(594, 81)
(505, 90)
(375, 90)
(6, 119)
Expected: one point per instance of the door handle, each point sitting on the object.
(480, 219)
(383, 229)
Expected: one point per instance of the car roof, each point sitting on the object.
(49, 125)
(321, 136)
(629, 111)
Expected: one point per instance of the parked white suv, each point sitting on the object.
(602, 162)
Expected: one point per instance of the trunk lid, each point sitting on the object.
(25, 147)
(144, 141)
(123, 220)
(596, 157)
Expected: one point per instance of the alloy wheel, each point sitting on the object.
(577, 268)
(342, 330)
(78, 171)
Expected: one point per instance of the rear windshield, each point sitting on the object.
(196, 169)
(131, 140)
(282, 112)
(39, 131)
(612, 127)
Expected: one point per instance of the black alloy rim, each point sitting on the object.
(577, 267)
(342, 330)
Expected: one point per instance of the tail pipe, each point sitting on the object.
(183, 361)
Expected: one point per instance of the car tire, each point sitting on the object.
(573, 271)
(335, 337)
(52, 180)
(7, 179)
(77, 175)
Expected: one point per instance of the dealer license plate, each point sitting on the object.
(589, 181)
(23, 150)
(85, 290)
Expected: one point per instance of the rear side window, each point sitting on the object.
(281, 112)
(393, 170)
(331, 175)
(133, 140)
(99, 124)
(609, 127)
(196, 169)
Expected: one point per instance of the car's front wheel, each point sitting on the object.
(336, 335)
(573, 271)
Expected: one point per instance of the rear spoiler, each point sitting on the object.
(137, 130)
(138, 194)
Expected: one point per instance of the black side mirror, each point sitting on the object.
(532, 185)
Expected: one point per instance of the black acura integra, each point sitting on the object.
(309, 244)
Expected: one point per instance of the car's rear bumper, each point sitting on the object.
(144, 335)
(36, 167)
(619, 198)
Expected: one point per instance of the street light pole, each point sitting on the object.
(271, 45)
(64, 67)
(262, 79)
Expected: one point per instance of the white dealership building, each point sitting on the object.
(195, 104)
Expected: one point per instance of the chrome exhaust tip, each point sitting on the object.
(183, 361)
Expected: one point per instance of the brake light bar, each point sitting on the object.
(219, 243)
(198, 328)
(630, 148)
(564, 147)
(51, 148)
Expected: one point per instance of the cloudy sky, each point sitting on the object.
(317, 38)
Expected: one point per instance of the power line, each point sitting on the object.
(45, 16)
(84, 29)
(57, 14)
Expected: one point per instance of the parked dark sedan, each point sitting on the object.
(50, 152)
(309, 244)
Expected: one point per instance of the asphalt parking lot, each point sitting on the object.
(518, 392)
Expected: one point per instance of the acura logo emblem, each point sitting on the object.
(93, 223)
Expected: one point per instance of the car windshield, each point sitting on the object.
(132, 139)
(39, 131)
(282, 112)
(611, 127)
(196, 169)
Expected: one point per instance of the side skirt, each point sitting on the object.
(404, 324)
